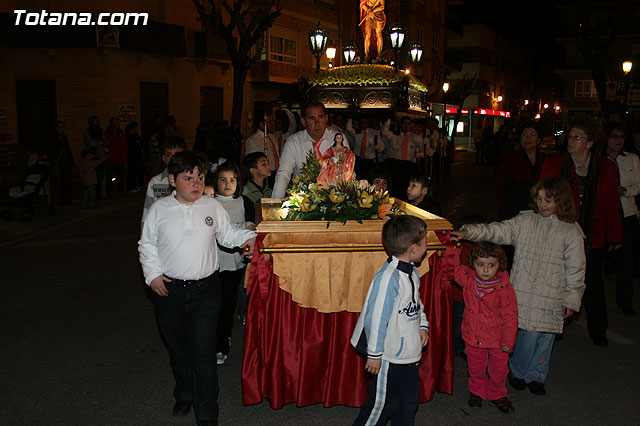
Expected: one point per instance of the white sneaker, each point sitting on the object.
(221, 358)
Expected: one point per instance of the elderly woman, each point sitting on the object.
(518, 172)
(595, 192)
(628, 166)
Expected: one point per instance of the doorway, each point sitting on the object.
(36, 111)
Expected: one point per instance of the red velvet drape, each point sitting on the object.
(294, 354)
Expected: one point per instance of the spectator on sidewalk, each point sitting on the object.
(87, 169)
(628, 167)
(61, 163)
(135, 159)
(94, 142)
(117, 142)
(518, 172)
(594, 186)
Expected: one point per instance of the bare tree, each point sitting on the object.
(241, 23)
(460, 90)
(596, 25)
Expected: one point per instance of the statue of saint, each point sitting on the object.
(372, 19)
(337, 162)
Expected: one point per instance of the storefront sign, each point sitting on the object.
(127, 113)
(480, 111)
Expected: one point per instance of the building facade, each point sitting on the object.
(172, 66)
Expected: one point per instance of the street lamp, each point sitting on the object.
(331, 52)
(416, 52)
(626, 68)
(317, 42)
(499, 98)
(396, 34)
(445, 89)
(349, 52)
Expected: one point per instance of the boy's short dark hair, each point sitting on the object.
(401, 232)
(488, 249)
(232, 167)
(173, 143)
(376, 173)
(420, 178)
(251, 160)
(187, 161)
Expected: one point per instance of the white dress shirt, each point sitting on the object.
(370, 148)
(255, 143)
(281, 136)
(157, 188)
(235, 209)
(294, 156)
(179, 240)
(629, 171)
(394, 147)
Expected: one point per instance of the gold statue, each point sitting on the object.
(372, 19)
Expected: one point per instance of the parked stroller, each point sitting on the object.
(31, 194)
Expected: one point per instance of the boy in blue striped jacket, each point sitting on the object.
(392, 328)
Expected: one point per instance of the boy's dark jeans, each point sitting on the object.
(188, 321)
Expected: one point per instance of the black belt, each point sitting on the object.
(189, 283)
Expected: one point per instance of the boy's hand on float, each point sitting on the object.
(373, 366)
(248, 247)
(158, 287)
(424, 337)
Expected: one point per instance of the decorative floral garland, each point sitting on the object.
(348, 200)
(364, 75)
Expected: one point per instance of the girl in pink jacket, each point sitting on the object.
(490, 323)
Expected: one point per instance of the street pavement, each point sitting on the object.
(79, 344)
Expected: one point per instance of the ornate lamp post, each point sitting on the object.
(349, 52)
(416, 52)
(317, 43)
(626, 68)
(445, 89)
(331, 52)
(396, 34)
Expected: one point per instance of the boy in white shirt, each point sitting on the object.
(158, 186)
(178, 253)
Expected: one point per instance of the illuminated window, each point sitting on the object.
(282, 50)
(585, 89)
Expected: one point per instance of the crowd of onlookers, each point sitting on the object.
(564, 219)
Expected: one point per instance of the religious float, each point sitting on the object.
(367, 88)
(316, 254)
(318, 249)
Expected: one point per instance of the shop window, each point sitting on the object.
(585, 89)
(282, 50)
